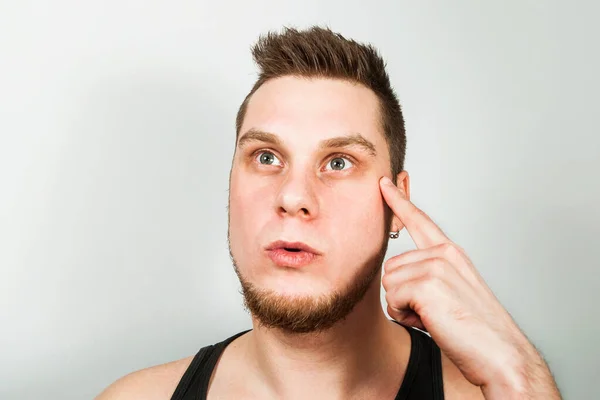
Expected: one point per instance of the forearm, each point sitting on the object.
(529, 379)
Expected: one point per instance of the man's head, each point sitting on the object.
(314, 135)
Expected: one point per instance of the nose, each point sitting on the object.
(296, 198)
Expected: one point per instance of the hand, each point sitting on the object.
(436, 288)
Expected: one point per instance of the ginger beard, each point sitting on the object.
(310, 314)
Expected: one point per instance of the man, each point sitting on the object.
(317, 188)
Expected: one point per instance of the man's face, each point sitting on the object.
(306, 169)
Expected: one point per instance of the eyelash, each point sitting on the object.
(331, 157)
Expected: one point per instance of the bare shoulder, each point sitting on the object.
(456, 386)
(154, 383)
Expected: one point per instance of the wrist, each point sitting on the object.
(509, 381)
(524, 375)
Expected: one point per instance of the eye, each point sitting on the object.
(338, 163)
(267, 158)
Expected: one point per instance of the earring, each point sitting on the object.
(394, 235)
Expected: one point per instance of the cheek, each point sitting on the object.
(359, 214)
(248, 207)
(362, 203)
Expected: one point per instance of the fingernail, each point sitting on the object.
(387, 181)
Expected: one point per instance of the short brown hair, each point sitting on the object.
(320, 53)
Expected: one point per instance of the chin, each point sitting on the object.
(294, 287)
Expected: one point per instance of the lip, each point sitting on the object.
(291, 259)
(282, 244)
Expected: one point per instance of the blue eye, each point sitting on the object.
(338, 163)
(267, 158)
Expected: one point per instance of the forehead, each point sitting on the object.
(302, 110)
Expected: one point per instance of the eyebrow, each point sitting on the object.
(356, 139)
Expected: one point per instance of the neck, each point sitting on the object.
(340, 361)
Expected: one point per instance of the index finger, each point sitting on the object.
(423, 231)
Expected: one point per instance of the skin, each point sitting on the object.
(342, 214)
(437, 288)
(299, 196)
(303, 199)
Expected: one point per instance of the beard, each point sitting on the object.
(308, 314)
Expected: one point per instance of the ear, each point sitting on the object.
(403, 184)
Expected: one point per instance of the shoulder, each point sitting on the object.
(456, 386)
(154, 383)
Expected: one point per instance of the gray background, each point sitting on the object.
(117, 131)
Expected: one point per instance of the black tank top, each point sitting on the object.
(422, 380)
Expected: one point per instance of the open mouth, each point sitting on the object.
(292, 247)
(291, 254)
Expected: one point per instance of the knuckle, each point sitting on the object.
(388, 264)
(417, 214)
(394, 262)
(391, 297)
(427, 284)
(389, 280)
(431, 284)
(436, 268)
(385, 281)
(420, 212)
(449, 250)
